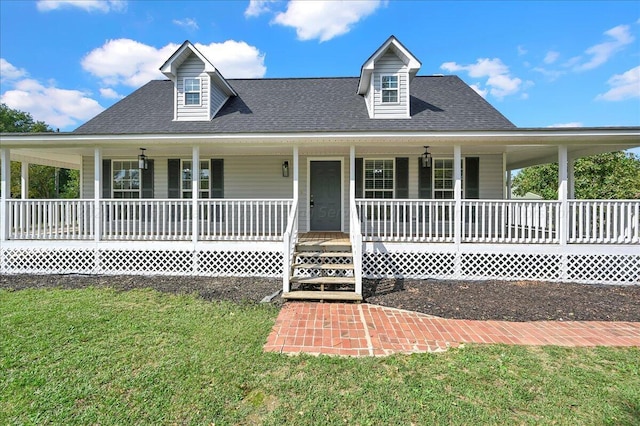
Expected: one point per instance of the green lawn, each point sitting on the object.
(105, 357)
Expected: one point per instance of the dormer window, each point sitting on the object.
(192, 91)
(389, 89)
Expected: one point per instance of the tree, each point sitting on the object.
(609, 176)
(16, 121)
(42, 179)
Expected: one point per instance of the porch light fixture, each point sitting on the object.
(142, 160)
(426, 158)
(285, 169)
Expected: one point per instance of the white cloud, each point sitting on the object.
(128, 62)
(499, 81)
(188, 23)
(324, 20)
(551, 57)
(601, 53)
(623, 86)
(552, 75)
(522, 50)
(56, 107)
(257, 8)
(87, 5)
(109, 93)
(479, 91)
(131, 63)
(570, 124)
(235, 59)
(9, 72)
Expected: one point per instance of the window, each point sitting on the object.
(378, 178)
(443, 178)
(192, 91)
(126, 179)
(389, 89)
(186, 183)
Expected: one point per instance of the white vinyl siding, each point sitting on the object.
(390, 65)
(191, 68)
(490, 176)
(218, 99)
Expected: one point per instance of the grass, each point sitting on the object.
(98, 356)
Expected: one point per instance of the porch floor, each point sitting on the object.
(370, 330)
(323, 238)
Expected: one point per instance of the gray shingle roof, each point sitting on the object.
(302, 105)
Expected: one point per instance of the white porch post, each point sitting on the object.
(457, 193)
(563, 194)
(506, 178)
(97, 190)
(5, 182)
(571, 178)
(24, 180)
(352, 175)
(195, 191)
(457, 213)
(295, 174)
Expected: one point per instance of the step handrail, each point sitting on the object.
(289, 239)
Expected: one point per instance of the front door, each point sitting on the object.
(324, 195)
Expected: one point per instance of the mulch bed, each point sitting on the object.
(509, 300)
(474, 300)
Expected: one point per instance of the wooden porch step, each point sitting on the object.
(322, 295)
(324, 255)
(325, 266)
(323, 280)
(329, 246)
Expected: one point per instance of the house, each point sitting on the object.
(320, 181)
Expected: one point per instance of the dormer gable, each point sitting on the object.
(385, 80)
(200, 90)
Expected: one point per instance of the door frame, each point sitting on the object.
(341, 160)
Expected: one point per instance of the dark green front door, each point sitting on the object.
(324, 196)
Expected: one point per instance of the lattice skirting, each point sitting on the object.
(141, 262)
(581, 268)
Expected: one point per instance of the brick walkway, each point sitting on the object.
(364, 330)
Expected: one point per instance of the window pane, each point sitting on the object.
(389, 81)
(389, 96)
(192, 84)
(192, 98)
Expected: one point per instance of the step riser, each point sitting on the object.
(320, 266)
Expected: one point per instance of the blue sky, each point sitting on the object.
(540, 63)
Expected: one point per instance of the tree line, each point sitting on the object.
(44, 181)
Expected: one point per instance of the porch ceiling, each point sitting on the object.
(523, 147)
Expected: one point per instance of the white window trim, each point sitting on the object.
(364, 178)
(397, 89)
(200, 190)
(113, 187)
(185, 91)
(453, 180)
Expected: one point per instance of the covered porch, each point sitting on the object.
(269, 200)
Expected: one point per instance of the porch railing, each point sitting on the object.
(355, 236)
(602, 222)
(509, 221)
(406, 220)
(55, 219)
(148, 219)
(290, 238)
(500, 221)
